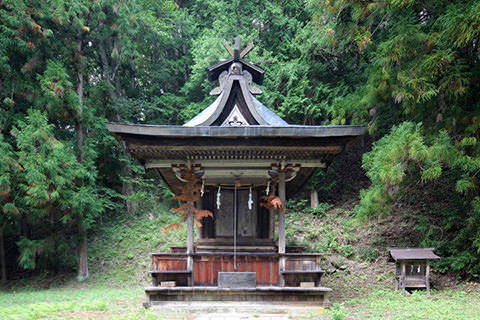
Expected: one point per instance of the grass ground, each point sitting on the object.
(74, 303)
(100, 302)
(391, 305)
(359, 273)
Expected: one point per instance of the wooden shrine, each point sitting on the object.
(412, 267)
(242, 151)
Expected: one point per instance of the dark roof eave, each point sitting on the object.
(413, 254)
(247, 131)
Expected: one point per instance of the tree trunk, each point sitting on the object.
(80, 129)
(82, 242)
(127, 187)
(109, 73)
(110, 69)
(82, 254)
(2, 258)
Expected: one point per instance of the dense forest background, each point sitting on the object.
(409, 69)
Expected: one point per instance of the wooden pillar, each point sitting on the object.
(281, 227)
(281, 214)
(403, 275)
(200, 231)
(397, 276)
(427, 276)
(190, 233)
(313, 199)
(271, 229)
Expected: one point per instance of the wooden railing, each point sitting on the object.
(298, 267)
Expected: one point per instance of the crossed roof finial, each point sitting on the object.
(236, 53)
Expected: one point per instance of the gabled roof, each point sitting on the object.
(236, 94)
(236, 104)
(413, 254)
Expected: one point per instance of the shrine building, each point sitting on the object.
(242, 153)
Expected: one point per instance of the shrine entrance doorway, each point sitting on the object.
(235, 212)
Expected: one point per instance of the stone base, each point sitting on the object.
(317, 296)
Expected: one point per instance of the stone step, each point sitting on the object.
(239, 310)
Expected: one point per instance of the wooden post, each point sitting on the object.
(313, 199)
(427, 276)
(200, 231)
(271, 229)
(281, 214)
(404, 274)
(397, 276)
(190, 247)
(281, 228)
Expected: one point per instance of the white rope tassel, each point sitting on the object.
(202, 191)
(218, 198)
(268, 188)
(250, 200)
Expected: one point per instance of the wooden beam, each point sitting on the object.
(157, 163)
(236, 172)
(227, 46)
(236, 48)
(246, 50)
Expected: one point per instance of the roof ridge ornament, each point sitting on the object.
(236, 56)
(235, 53)
(236, 70)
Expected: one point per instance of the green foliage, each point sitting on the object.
(319, 230)
(387, 164)
(320, 210)
(297, 205)
(409, 69)
(346, 250)
(338, 312)
(8, 185)
(66, 67)
(367, 254)
(53, 187)
(28, 252)
(322, 180)
(405, 153)
(120, 249)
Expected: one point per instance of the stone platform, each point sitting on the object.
(316, 296)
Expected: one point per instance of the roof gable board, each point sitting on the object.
(236, 89)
